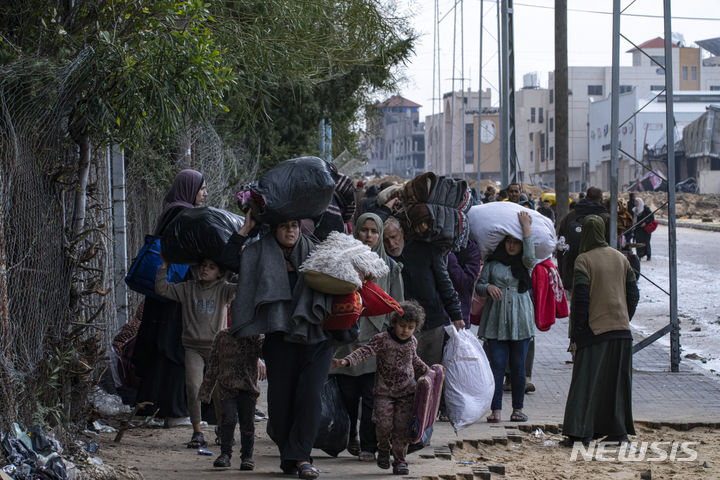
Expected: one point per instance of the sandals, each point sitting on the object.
(494, 418)
(306, 471)
(400, 468)
(518, 417)
(197, 441)
(353, 447)
(366, 456)
(383, 459)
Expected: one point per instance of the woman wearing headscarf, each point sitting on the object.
(158, 356)
(642, 215)
(507, 319)
(357, 382)
(273, 299)
(604, 298)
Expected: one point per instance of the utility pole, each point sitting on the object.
(672, 232)
(480, 92)
(561, 110)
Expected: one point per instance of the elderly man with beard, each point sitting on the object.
(426, 280)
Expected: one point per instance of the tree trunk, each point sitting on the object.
(81, 192)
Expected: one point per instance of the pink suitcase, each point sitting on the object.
(427, 401)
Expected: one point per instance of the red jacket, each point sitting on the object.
(548, 295)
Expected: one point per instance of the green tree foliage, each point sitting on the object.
(298, 62)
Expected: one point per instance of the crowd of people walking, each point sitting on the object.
(250, 315)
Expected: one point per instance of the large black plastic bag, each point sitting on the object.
(297, 188)
(199, 233)
(334, 430)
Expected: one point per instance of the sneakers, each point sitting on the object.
(400, 468)
(247, 464)
(260, 415)
(223, 461)
(383, 459)
(529, 387)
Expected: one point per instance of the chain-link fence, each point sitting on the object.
(57, 302)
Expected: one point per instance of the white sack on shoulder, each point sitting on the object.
(491, 222)
(469, 382)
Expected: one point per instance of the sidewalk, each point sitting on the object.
(659, 396)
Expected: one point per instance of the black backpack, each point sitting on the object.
(574, 234)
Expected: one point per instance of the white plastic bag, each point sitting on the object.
(491, 222)
(469, 382)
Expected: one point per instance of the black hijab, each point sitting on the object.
(515, 263)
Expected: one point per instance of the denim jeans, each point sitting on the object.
(498, 356)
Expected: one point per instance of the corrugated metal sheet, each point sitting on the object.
(712, 45)
(702, 136)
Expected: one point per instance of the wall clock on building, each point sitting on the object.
(488, 131)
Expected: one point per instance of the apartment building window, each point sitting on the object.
(541, 116)
(659, 59)
(625, 88)
(552, 95)
(531, 136)
(469, 143)
(551, 153)
(542, 147)
(595, 90)
(532, 114)
(551, 124)
(531, 156)
(684, 73)
(657, 88)
(693, 73)
(714, 87)
(715, 164)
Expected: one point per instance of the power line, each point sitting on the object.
(599, 12)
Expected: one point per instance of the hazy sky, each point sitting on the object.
(589, 38)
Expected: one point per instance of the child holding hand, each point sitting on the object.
(398, 365)
(204, 313)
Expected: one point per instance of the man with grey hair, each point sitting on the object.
(426, 280)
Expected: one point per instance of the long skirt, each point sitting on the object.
(599, 402)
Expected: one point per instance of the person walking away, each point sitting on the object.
(158, 355)
(233, 370)
(356, 382)
(642, 216)
(204, 313)
(604, 299)
(570, 227)
(398, 365)
(273, 299)
(507, 319)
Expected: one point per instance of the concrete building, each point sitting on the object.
(395, 138)
(692, 71)
(643, 130)
(702, 150)
(451, 136)
(533, 125)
